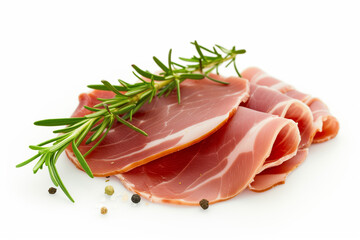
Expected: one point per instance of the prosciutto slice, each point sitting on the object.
(219, 167)
(205, 107)
(268, 100)
(327, 125)
(271, 177)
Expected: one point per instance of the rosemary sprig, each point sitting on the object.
(128, 99)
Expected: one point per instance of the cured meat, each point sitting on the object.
(327, 125)
(259, 77)
(268, 100)
(219, 167)
(205, 107)
(274, 176)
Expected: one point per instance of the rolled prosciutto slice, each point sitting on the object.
(265, 99)
(327, 125)
(219, 167)
(205, 107)
(271, 177)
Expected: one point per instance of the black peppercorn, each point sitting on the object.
(135, 198)
(52, 190)
(204, 204)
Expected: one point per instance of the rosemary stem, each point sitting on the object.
(72, 136)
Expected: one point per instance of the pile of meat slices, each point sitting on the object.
(220, 140)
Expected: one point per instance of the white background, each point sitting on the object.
(50, 51)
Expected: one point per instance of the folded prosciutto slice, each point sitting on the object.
(327, 125)
(268, 100)
(219, 167)
(170, 126)
(271, 177)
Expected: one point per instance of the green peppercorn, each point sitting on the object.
(109, 190)
(204, 204)
(52, 190)
(135, 198)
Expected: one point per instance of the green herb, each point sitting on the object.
(128, 99)
(135, 198)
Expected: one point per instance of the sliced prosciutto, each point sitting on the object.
(219, 167)
(268, 100)
(271, 177)
(323, 120)
(327, 125)
(205, 107)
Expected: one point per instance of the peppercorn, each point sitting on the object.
(52, 190)
(135, 198)
(204, 204)
(103, 210)
(109, 190)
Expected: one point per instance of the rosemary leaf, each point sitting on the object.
(224, 50)
(236, 70)
(124, 109)
(124, 84)
(178, 90)
(111, 87)
(134, 91)
(229, 63)
(195, 59)
(215, 80)
(58, 180)
(103, 87)
(34, 147)
(100, 140)
(195, 43)
(81, 160)
(199, 51)
(51, 172)
(130, 125)
(101, 129)
(194, 76)
(131, 114)
(95, 128)
(209, 70)
(69, 128)
(58, 121)
(169, 62)
(147, 74)
(161, 65)
(86, 131)
(176, 64)
(39, 164)
(29, 160)
(96, 114)
(53, 139)
(138, 77)
(58, 153)
(241, 51)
